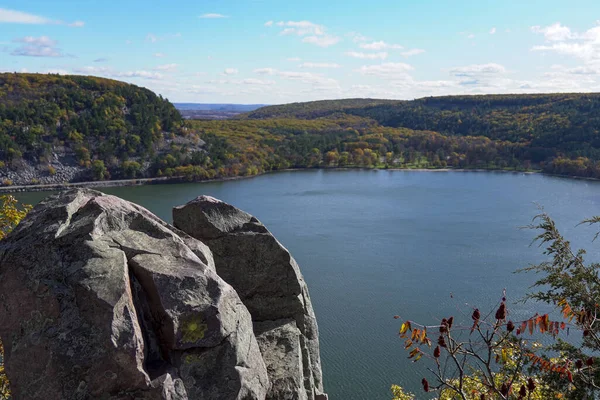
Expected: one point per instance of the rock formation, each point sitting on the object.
(269, 282)
(100, 299)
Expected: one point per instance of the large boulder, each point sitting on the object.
(100, 299)
(269, 282)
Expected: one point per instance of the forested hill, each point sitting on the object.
(39, 110)
(47, 117)
(56, 129)
(569, 122)
(315, 109)
(559, 133)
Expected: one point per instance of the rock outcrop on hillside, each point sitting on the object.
(101, 299)
(269, 282)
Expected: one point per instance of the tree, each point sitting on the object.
(131, 169)
(10, 216)
(99, 171)
(497, 358)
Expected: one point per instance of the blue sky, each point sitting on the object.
(268, 51)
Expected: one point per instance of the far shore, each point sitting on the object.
(179, 179)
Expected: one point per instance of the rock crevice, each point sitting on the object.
(269, 282)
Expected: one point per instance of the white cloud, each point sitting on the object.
(381, 45)
(139, 74)
(36, 41)
(167, 67)
(248, 81)
(212, 16)
(159, 55)
(260, 82)
(386, 70)
(471, 36)
(294, 59)
(296, 75)
(41, 46)
(357, 37)
(561, 40)
(230, 71)
(101, 60)
(412, 52)
(107, 71)
(265, 71)
(554, 32)
(310, 78)
(561, 71)
(301, 28)
(313, 33)
(493, 31)
(22, 70)
(319, 65)
(478, 69)
(92, 70)
(269, 23)
(151, 38)
(322, 41)
(18, 17)
(367, 56)
(56, 71)
(585, 51)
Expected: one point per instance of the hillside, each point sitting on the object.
(566, 122)
(315, 109)
(559, 133)
(56, 129)
(82, 123)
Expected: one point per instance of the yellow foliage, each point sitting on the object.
(400, 394)
(4, 389)
(473, 386)
(10, 216)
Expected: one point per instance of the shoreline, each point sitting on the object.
(176, 180)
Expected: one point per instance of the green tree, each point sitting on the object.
(99, 171)
(131, 169)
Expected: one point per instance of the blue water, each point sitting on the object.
(373, 244)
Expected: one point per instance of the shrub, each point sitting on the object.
(10, 216)
(494, 357)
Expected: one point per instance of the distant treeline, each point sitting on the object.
(556, 132)
(121, 130)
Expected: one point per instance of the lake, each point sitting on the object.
(373, 244)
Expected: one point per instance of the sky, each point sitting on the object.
(282, 51)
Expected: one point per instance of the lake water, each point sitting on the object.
(372, 244)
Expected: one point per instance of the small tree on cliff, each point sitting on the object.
(495, 357)
(10, 216)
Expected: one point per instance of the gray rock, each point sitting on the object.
(101, 299)
(269, 282)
